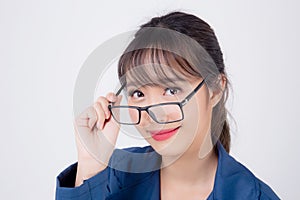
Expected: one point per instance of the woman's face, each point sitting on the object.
(173, 139)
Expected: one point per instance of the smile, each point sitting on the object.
(163, 134)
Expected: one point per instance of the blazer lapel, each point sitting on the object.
(146, 188)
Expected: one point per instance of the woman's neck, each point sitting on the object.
(189, 170)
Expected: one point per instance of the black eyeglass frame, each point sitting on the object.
(146, 108)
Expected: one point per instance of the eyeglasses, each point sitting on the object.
(162, 113)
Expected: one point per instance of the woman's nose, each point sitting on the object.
(145, 120)
(147, 117)
(157, 115)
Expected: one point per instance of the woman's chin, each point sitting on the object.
(170, 148)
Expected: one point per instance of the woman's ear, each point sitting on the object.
(216, 95)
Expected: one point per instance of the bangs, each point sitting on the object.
(154, 66)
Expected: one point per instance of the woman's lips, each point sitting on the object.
(163, 134)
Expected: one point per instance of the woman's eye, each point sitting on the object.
(172, 91)
(136, 94)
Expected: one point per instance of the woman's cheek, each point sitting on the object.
(195, 116)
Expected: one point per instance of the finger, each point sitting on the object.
(117, 103)
(87, 118)
(92, 123)
(111, 97)
(101, 115)
(83, 122)
(104, 104)
(92, 116)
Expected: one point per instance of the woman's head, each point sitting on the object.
(168, 57)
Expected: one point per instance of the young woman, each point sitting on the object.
(173, 79)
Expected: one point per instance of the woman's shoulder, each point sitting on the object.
(234, 178)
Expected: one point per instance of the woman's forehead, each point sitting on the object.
(156, 75)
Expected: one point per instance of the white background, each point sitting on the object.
(44, 43)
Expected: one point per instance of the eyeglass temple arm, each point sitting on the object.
(121, 88)
(118, 92)
(183, 102)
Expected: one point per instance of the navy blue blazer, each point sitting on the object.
(233, 181)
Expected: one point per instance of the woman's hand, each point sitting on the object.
(96, 134)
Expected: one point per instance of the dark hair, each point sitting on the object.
(203, 34)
